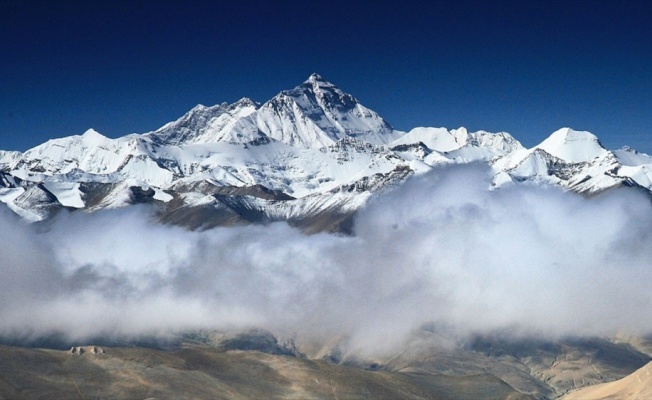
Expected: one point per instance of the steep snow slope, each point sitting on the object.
(317, 114)
(295, 171)
(312, 115)
(222, 122)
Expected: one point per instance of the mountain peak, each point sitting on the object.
(245, 102)
(571, 145)
(198, 107)
(315, 77)
(570, 134)
(317, 82)
(92, 132)
(93, 136)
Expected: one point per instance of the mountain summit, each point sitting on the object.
(573, 146)
(317, 114)
(311, 155)
(313, 114)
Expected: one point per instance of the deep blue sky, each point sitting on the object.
(525, 67)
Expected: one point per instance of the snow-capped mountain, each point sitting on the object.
(312, 156)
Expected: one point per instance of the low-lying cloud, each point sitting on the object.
(443, 250)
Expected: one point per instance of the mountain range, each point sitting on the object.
(311, 156)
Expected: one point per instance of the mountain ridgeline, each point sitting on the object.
(311, 156)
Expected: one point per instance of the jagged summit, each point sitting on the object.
(314, 77)
(317, 113)
(314, 114)
(316, 81)
(319, 90)
(246, 102)
(203, 124)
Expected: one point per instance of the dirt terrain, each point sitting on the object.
(202, 372)
(635, 386)
(258, 364)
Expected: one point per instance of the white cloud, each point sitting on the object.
(443, 249)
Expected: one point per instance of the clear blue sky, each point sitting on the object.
(526, 67)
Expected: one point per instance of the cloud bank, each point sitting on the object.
(442, 250)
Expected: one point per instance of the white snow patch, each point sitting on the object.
(161, 195)
(67, 193)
